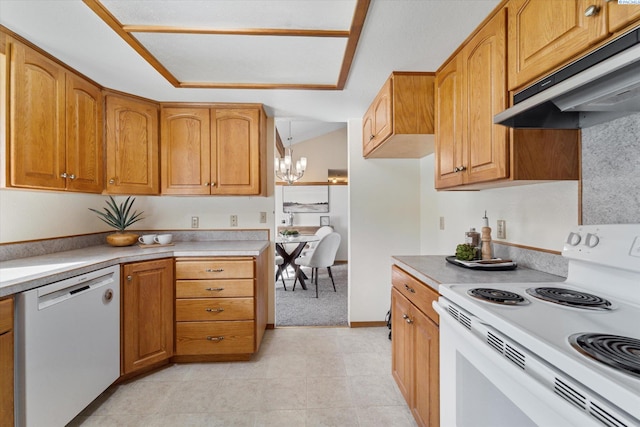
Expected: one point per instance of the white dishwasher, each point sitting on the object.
(67, 346)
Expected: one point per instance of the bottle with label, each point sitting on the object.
(472, 237)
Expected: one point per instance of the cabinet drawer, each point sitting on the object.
(214, 288)
(417, 292)
(214, 309)
(214, 337)
(215, 269)
(6, 315)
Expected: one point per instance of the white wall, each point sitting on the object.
(537, 215)
(384, 220)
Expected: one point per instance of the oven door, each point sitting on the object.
(480, 387)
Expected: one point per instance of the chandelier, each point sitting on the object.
(285, 168)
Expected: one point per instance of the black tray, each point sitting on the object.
(454, 261)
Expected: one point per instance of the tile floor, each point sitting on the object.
(301, 377)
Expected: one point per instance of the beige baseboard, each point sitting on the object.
(367, 324)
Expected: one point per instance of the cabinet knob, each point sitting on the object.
(129, 278)
(407, 319)
(72, 176)
(63, 175)
(409, 288)
(371, 137)
(215, 339)
(214, 289)
(592, 10)
(206, 184)
(214, 270)
(215, 310)
(459, 168)
(112, 181)
(213, 184)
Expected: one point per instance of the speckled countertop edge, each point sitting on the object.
(23, 274)
(434, 270)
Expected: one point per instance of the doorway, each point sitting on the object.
(324, 145)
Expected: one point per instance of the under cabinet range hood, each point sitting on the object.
(599, 87)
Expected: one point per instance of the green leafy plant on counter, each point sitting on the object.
(289, 232)
(465, 252)
(119, 216)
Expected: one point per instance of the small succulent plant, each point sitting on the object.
(119, 216)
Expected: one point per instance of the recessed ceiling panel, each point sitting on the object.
(284, 14)
(247, 59)
(254, 44)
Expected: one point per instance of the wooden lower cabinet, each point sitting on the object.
(6, 362)
(415, 347)
(147, 314)
(220, 307)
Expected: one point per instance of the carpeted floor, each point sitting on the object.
(301, 308)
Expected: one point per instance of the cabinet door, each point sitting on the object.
(426, 388)
(485, 94)
(545, 34)
(401, 342)
(186, 146)
(621, 15)
(6, 362)
(84, 164)
(448, 118)
(132, 146)
(235, 151)
(383, 114)
(367, 132)
(147, 314)
(37, 141)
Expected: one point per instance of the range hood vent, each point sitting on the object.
(599, 87)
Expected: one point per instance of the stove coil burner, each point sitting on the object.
(621, 353)
(570, 298)
(497, 296)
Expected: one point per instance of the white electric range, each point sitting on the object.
(516, 359)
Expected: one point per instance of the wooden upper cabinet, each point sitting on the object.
(620, 16)
(186, 147)
(56, 126)
(132, 146)
(37, 141)
(448, 138)
(399, 122)
(473, 152)
(485, 95)
(236, 152)
(545, 34)
(85, 160)
(219, 151)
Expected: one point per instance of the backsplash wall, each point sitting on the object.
(611, 172)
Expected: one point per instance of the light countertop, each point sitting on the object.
(434, 270)
(22, 274)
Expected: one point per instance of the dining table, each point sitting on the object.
(289, 257)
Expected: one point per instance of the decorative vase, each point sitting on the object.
(122, 239)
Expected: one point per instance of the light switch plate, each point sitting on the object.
(234, 220)
(502, 229)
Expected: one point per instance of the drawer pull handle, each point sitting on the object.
(407, 318)
(215, 310)
(215, 339)
(214, 270)
(214, 289)
(409, 289)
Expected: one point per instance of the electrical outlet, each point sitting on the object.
(502, 229)
(441, 223)
(234, 220)
(263, 217)
(195, 222)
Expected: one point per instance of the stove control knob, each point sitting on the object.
(591, 240)
(573, 239)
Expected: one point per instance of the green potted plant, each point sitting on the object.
(119, 217)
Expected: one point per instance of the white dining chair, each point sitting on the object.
(320, 232)
(280, 272)
(323, 256)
